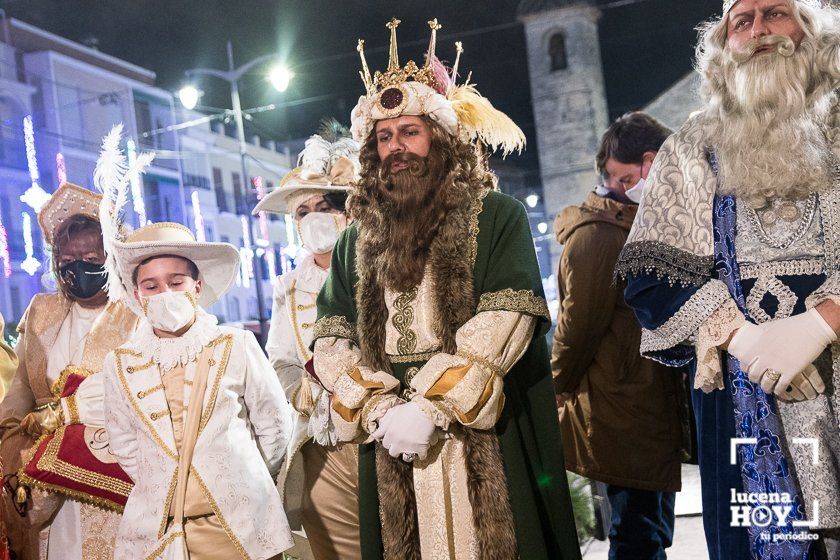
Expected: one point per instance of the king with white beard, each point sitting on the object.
(733, 268)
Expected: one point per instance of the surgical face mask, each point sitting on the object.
(170, 311)
(83, 279)
(319, 231)
(635, 193)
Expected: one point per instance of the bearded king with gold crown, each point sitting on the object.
(733, 268)
(430, 332)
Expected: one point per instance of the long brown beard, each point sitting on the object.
(413, 199)
(401, 214)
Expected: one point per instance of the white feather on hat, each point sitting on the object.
(323, 166)
(218, 263)
(111, 177)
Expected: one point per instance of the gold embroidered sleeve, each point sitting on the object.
(468, 386)
(518, 301)
(358, 393)
(336, 326)
(19, 400)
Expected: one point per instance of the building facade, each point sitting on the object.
(58, 99)
(569, 100)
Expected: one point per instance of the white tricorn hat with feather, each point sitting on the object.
(329, 162)
(217, 263)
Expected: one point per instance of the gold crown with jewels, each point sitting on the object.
(395, 75)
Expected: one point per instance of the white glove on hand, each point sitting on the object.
(405, 429)
(806, 386)
(786, 346)
(90, 401)
(744, 343)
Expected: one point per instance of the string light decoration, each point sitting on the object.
(61, 168)
(31, 264)
(292, 249)
(246, 254)
(136, 184)
(198, 219)
(263, 241)
(35, 197)
(4, 251)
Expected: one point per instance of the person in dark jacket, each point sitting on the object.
(620, 413)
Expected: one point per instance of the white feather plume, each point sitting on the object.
(332, 142)
(315, 156)
(319, 155)
(112, 177)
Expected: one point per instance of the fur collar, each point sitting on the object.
(450, 263)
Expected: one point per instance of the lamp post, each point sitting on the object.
(189, 97)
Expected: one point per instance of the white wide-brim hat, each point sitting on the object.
(301, 184)
(217, 263)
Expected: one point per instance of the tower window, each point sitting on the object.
(557, 52)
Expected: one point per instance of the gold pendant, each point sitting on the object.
(20, 494)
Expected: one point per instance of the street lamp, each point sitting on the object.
(532, 200)
(189, 95)
(280, 76)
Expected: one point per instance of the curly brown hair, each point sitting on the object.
(399, 228)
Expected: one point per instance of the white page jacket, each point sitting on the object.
(243, 433)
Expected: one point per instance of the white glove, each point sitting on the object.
(744, 343)
(786, 346)
(404, 429)
(90, 402)
(806, 386)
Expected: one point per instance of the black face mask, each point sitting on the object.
(84, 279)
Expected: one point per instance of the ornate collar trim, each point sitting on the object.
(172, 352)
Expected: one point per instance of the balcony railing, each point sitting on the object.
(197, 181)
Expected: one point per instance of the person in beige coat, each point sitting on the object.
(319, 478)
(620, 413)
(63, 335)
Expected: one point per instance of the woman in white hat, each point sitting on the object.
(194, 411)
(319, 479)
(68, 508)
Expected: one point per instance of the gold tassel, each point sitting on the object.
(20, 494)
(304, 402)
(479, 119)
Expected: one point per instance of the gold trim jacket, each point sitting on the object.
(244, 429)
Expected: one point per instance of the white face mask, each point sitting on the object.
(635, 194)
(319, 231)
(170, 311)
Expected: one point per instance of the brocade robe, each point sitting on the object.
(698, 265)
(492, 395)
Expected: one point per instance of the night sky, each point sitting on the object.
(646, 46)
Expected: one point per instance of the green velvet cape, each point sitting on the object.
(505, 277)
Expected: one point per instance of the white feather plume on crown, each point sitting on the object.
(112, 177)
(319, 154)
